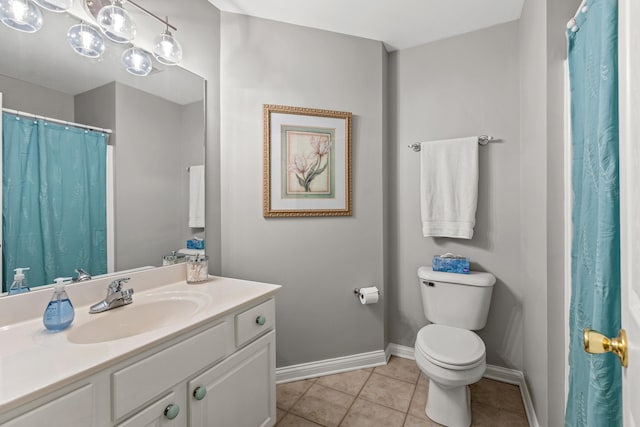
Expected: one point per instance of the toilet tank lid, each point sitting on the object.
(474, 278)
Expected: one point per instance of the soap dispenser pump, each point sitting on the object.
(59, 313)
(19, 284)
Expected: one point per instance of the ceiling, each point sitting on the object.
(400, 24)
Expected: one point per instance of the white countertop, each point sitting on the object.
(34, 361)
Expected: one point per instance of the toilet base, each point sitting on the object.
(449, 406)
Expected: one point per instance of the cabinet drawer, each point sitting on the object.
(154, 414)
(255, 322)
(139, 383)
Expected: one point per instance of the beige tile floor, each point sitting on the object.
(387, 396)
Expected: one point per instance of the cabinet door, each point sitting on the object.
(74, 409)
(240, 391)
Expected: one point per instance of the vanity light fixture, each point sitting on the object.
(166, 48)
(21, 15)
(137, 61)
(57, 6)
(116, 23)
(85, 40)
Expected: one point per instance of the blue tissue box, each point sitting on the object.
(450, 263)
(195, 244)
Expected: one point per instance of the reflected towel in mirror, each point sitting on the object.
(196, 196)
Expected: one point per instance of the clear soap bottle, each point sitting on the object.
(19, 284)
(59, 313)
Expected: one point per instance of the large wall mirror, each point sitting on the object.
(158, 126)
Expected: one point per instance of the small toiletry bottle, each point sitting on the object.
(59, 313)
(19, 284)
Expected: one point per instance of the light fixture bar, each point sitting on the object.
(153, 15)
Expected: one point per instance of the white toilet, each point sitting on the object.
(447, 351)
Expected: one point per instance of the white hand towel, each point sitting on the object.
(196, 196)
(449, 187)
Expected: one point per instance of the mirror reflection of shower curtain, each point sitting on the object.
(54, 200)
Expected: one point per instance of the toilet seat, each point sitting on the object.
(450, 347)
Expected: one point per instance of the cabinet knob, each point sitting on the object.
(261, 320)
(171, 411)
(199, 393)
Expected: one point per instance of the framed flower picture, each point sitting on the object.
(307, 162)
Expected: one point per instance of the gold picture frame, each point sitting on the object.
(307, 162)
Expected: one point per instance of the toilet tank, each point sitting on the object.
(460, 300)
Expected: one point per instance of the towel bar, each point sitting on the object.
(482, 140)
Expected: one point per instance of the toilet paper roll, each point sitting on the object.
(369, 295)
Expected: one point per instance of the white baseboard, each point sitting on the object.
(330, 366)
(401, 351)
(515, 377)
(380, 357)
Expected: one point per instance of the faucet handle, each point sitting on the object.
(116, 285)
(126, 296)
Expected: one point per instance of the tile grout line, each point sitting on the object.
(415, 390)
(356, 397)
(288, 411)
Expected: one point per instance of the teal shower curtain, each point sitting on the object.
(595, 384)
(53, 200)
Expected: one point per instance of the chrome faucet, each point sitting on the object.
(116, 297)
(82, 275)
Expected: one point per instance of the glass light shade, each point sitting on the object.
(21, 15)
(85, 40)
(137, 62)
(116, 23)
(57, 6)
(167, 49)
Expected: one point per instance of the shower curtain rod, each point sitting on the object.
(52, 120)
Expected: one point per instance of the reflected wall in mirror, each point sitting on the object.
(157, 125)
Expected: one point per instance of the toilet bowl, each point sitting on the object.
(447, 351)
(452, 358)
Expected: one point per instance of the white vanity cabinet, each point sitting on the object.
(219, 373)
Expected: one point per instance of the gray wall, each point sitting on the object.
(533, 199)
(97, 107)
(461, 86)
(22, 96)
(542, 46)
(319, 261)
(147, 178)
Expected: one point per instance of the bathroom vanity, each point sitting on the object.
(180, 355)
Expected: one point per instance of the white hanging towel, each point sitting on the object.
(196, 196)
(449, 187)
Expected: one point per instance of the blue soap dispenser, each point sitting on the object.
(19, 285)
(59, 313)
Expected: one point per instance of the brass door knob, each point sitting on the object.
(596, 343)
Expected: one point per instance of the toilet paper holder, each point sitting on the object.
(356, 292)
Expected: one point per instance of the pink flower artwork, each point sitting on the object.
(308, 166)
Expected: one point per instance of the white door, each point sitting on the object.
(629, 68)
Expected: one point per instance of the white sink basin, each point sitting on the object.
(141, 316)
